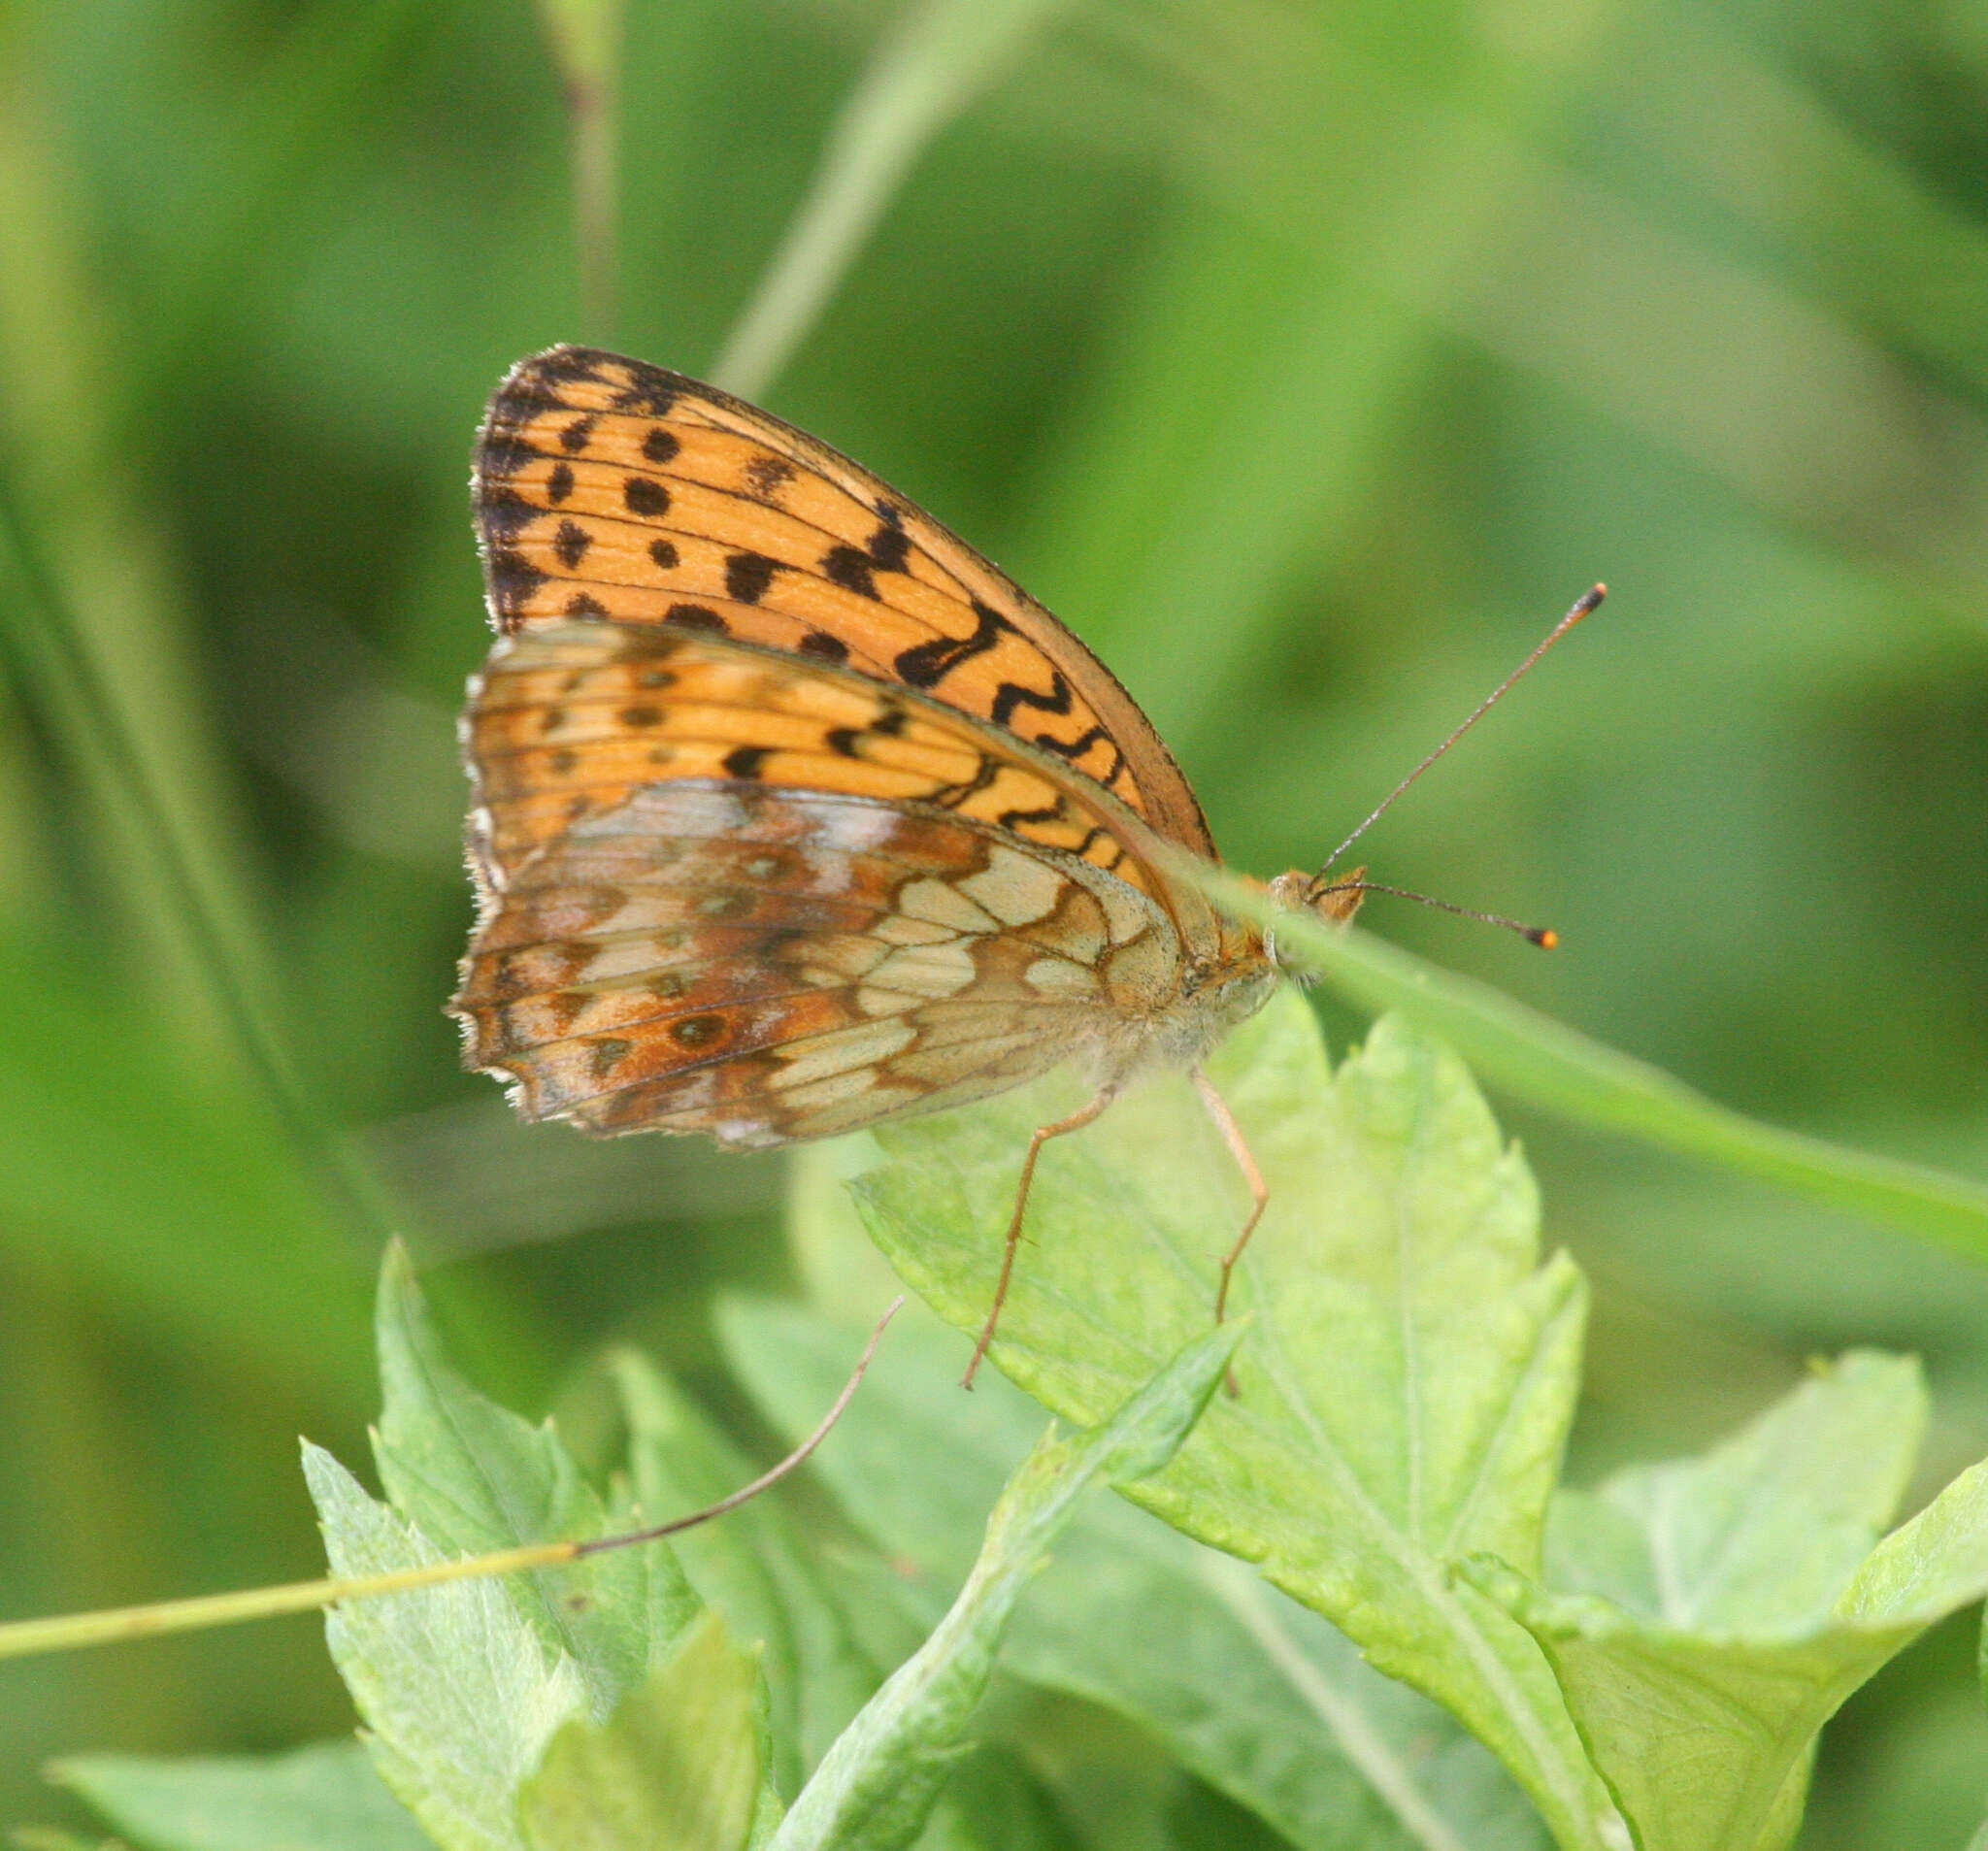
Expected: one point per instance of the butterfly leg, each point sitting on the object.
(1217, 1109)
(1076, 1121)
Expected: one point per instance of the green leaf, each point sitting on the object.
(1406, 1395)
(1761, 1534)
(676, 1768)
(1258, 1696)
(463, 1686)
(457, 1689)
(1702, 1699)
(877, 1785)
(752, 1567)
(472, 1477)
(324, 1797)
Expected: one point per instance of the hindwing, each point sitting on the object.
(730, 890)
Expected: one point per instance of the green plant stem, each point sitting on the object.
(1549, 1065)
(585, 37)
(927, 69)
(71, 1632)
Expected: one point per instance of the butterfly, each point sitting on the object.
(792, 813)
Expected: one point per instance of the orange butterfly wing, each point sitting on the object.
(606, 487)
(759, 895)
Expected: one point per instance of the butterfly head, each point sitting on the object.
(1329, 896)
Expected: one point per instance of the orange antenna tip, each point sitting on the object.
(1321, 893)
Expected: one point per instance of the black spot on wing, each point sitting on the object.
(559, 485)
(889, 548)
(664, 554)
(925, 665)
(952, 796)
(513, 582)
(766, 474)
(580, 605)
(503, 452)
(856, 568)
(526, 393)
(819, 644)
(1010, 695)
(748, 575)
(745, 761)
(570, 544)
(574, 437)
(643, 497)
(504, 513)
(698, 1031)
(661, 444)
(1049, 813)
(889, 724)
(850, 569)
(651, 389)
(562, 366)
(1074, 748)
(607, 1054)
(696, 617)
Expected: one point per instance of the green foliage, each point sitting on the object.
(1130, 1614)
(601, 1706)
(925, 72)
(474, 1477)
(1651, 1661)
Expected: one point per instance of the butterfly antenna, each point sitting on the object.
(1545, 937)
(1582, 605)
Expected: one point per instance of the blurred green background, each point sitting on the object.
(1307, 359)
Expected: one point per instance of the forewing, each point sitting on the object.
(732, 892)
(606, 487)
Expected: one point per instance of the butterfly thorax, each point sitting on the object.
(1217, 988)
